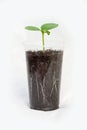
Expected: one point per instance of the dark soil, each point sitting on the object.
(44, 77)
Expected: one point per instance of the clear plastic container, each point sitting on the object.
(44, 74)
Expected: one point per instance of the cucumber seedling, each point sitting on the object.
(43, 29)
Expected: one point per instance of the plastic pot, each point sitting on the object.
(44, 78)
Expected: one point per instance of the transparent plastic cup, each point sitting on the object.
(44, 74)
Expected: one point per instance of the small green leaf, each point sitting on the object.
(48, 26)
(32, 28)
(48, 32)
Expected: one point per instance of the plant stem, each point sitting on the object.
(43, 41)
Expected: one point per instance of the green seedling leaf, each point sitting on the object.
(48, 32)
(32, 28)
(48, 26)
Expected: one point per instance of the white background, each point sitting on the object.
(72, 18)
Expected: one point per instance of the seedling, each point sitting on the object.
(43, 29)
